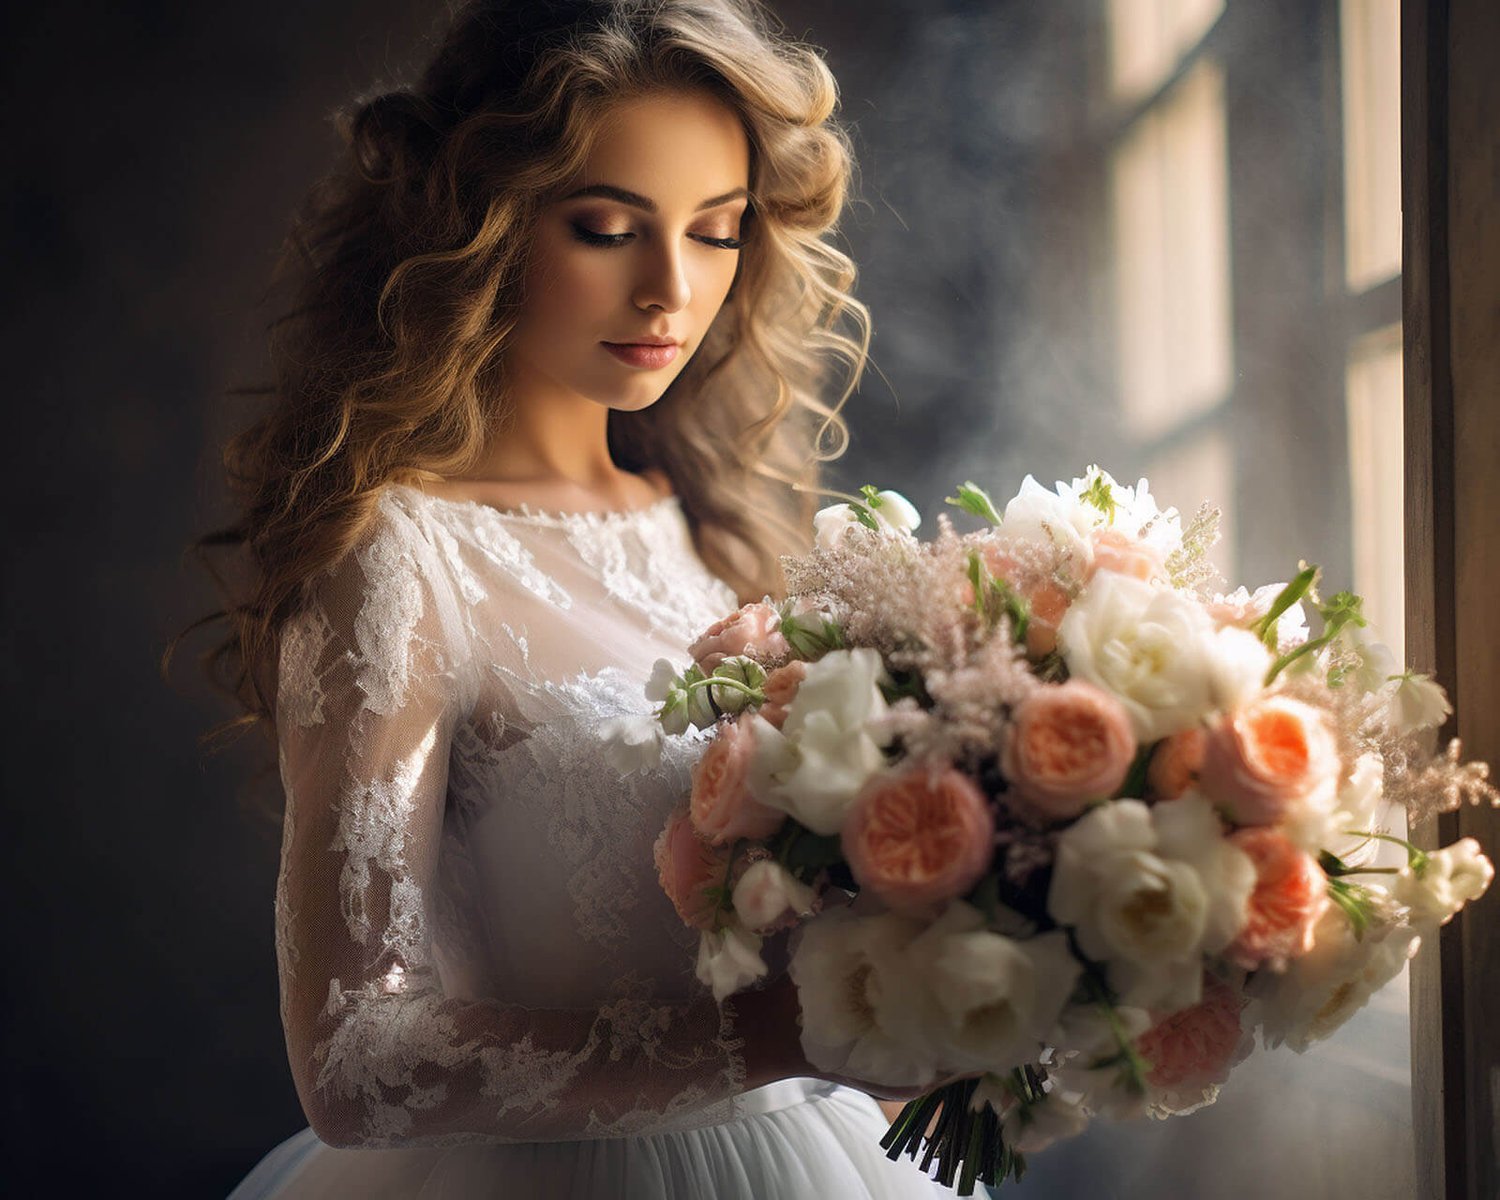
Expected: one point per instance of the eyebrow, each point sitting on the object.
(644, 203)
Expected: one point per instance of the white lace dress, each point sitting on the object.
(483, 990)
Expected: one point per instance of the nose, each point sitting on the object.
(662, 282)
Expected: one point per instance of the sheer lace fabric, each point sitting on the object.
(471, 942)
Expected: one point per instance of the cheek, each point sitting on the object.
(568, 290)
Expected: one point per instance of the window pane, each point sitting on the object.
(1171, 240)
(1148, 37)
(1370, 33)
(1375, 478)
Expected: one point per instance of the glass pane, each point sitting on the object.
(1375, 478)
(1147, 38)
(1370, 35)
(1171, 238)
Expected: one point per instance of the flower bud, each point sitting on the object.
(741, 669)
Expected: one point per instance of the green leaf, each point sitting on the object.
(1134, 787)
(974, 500)
(872, 495)
(1288, 596)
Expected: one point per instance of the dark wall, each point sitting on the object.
(153, 155)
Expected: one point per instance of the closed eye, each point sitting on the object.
(590, 238)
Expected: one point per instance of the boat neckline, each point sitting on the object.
(527, 514)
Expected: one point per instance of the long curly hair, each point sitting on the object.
(404, 266)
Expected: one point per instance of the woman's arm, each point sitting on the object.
(370, 689)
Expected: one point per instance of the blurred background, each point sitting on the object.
(1159, 235)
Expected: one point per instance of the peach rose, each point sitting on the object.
(1175, 763)
(687, 867)
(1291, 893)
(1262, 760)
(1116, 551)
(920, 837)
(1047, 601)
(1067, 745)
(721, 806)
(753, 630)
(780, 689)
(1194, 1047)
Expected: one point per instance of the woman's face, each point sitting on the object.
(641, 247)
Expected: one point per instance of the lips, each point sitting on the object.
(646, 356)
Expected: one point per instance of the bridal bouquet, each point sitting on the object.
(1045, 811)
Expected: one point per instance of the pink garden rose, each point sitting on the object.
(1067, 745)
(1194, 1047)
(686, 867)
(780, 689)
(1116, 551)
(919, 837)
(1175, 763)
(1291, 893)
(721, 806)
(1263, 760)
(753, 630)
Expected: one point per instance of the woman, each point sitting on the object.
(547, 405)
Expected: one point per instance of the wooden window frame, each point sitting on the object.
(1450, 95)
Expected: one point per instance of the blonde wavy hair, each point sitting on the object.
(405, 263)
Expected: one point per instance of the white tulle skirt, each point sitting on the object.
(799, 1139)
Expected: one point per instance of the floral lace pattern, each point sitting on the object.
(470, 939)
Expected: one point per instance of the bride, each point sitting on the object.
(548, 404)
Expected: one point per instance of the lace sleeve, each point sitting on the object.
(373, 679)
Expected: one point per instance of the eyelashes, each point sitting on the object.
(589, 238)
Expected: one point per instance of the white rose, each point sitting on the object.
(1149, 891)
(1415, 702)
(862, 1011)
(1323, 988)
(729, 960)
(994, 998)
(632, 743)
(829, 744)
(1453, 876)
(1148, 647)
(767, 890)
(895, 514)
